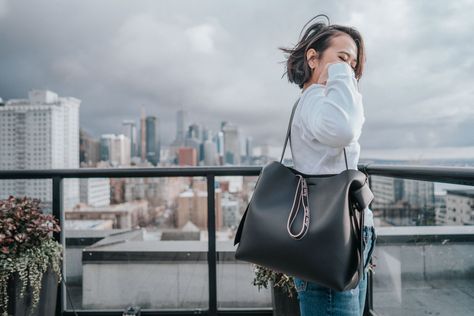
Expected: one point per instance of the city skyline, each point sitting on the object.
(226, 65)
(141, 129)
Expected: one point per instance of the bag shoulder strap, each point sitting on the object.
(288, 132)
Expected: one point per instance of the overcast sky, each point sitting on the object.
(219, 61)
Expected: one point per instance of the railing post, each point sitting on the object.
(370, 289)
(211, 253)
(57, 212)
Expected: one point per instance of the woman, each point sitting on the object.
(326, 64)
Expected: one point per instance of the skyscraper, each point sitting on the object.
(89, 149)
(153, 139)
(219, 140)
(194, 131)
(231, 144)
(41, 132)
(248, 149)
(143, 136)
(210, 153)
(181, 121)
(115, 149)
(131, 134)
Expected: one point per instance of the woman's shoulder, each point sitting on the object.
(314, 89)
(309, 98)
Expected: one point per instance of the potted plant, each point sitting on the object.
(30, 259)
(284, 296)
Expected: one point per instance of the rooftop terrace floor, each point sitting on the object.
(417, 297)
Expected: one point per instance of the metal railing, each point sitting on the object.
(454, 175)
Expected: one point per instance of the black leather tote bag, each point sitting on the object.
(304, 225)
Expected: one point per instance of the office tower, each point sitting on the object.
(187, 156)
(206, 134)
(192, 206)
(153, 140)
(193, 139)
(41, 132)
(419, 194)
(248, 150)
(194, 131)
(440, 209)
(115, 149)
(131, 133)
(223, 123)
(181, 121)
(231, 144)
(94, 191)
(230, 210)
(210, 153)
(143, 136)
(89, 149)
(460, 207)
(219, 140)
(387, 191)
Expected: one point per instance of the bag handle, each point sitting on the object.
(288, 132)
(302, 198)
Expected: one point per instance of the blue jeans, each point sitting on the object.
(315, 299)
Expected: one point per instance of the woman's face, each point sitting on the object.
(342, 49)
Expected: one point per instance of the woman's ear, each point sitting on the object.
(311, 58)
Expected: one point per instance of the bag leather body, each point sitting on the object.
(330, 251)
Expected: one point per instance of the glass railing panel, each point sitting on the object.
(234, 278)
(424, 270)
(31, 188)
(406, 202)
(137, 241)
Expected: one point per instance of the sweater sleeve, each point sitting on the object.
(336, 117)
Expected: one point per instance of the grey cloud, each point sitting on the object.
(220, 61)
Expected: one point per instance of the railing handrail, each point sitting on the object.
(455, 175)
(446, 174)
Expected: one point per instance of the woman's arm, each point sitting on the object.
(336, 118)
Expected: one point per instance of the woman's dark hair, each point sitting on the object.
(318, 36)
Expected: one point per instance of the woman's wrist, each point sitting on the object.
(340, 69)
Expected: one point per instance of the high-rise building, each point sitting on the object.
(94, 191)
(210, 153)
(192, 206)
(194, 131)
(248, 150)
(460, 207)
(223, 123)
(387, 191)
(230, 210)
(219, 140)
(206, 134)
(419, 194)
(41, 132)
(131, 133)
(181, 121)
(153, 140)
(440, 209)
(89, 149)
(231, 144)
(115, 149)
(193, 139)
(187, 156)
(142, 146)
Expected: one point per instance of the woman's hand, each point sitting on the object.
(323, 77)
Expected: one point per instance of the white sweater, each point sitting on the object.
(327, 119)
